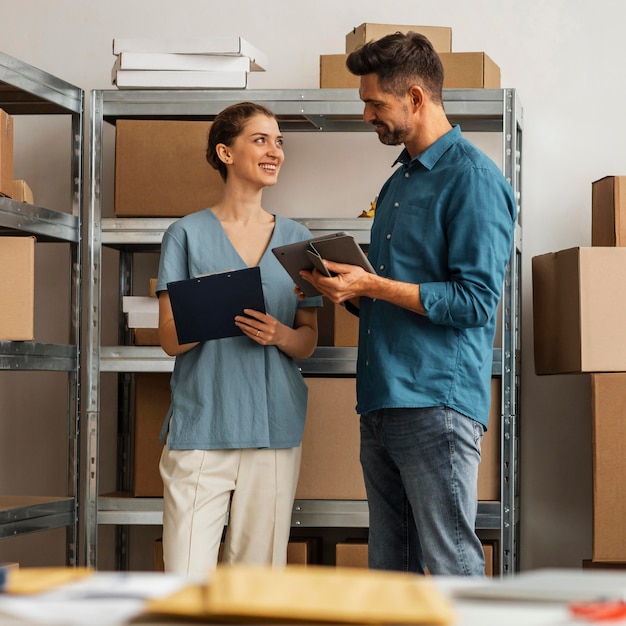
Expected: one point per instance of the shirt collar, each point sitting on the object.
(433, 153)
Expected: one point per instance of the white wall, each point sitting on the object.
(564, 56)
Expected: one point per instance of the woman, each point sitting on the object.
(235, 424)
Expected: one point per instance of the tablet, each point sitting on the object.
(308, 254)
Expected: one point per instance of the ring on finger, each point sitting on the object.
(258, 332)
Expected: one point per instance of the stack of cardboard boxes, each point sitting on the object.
(462, 70)
(578, 305)
(17, 254)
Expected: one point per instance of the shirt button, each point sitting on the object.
(388, 235)
(406, 174)
(381, 267)
(396, 204)
(367, 363)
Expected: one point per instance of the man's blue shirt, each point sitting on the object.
(444, 220)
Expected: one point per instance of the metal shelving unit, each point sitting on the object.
(26, 90)
(328, 110)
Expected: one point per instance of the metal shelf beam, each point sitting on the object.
(25, 90)
(25, 514)
(32, 356)
(45, 224)
(124, 509)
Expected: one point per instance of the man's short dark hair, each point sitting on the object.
(400, 60)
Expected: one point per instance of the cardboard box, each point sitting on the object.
(142, 319)
(298, 553)
(462, 70)
(146, 337)
(334, 74)
(589, 564)
(161, 168)
(439, 36)
(489, 469)
(608, 211)
(351, 554)
(337, 326)
(17, 288)
(469, 70)
(490, 559)
(141, 311)
(152, 401)
(331, 469)
(6, 154)
(354, 554)
(22, 192)
(579, 297)
(608, 400)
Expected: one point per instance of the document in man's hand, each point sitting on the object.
(308, 254)
(205, 307)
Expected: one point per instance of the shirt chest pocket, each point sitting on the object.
(416, 228)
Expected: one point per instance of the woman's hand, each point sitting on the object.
(297, 342)
(260, 327)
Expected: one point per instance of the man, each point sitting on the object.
(440, 241)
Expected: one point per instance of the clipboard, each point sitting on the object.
(204, 307)
(308, 254)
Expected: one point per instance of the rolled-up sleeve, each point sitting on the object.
(479, 239)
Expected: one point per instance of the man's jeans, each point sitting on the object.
(421, 470)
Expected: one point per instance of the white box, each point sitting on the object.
(194, 45)
(174, 79)
(141, 311)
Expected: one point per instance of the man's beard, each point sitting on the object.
(391, 137)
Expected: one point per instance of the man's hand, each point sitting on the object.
(347, 282)
(350, 282)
